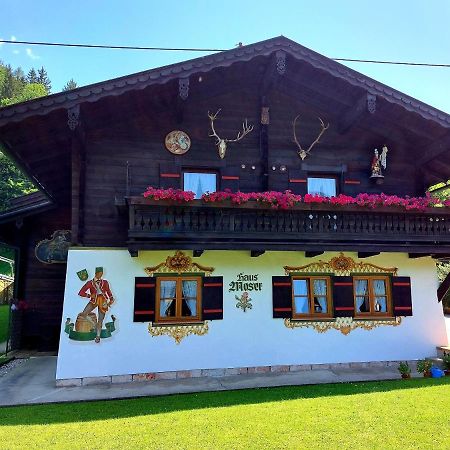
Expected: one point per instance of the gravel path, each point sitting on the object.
(10, 366)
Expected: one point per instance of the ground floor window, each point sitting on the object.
(178, 299)
(311, 297)
(372, 296)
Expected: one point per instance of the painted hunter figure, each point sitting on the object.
(100, 296)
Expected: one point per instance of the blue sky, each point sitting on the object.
(414, 30)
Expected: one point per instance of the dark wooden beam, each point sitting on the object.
(256, 253)
(198, 253)
(418, 255)
(133, 252)
(355, 113)
(312, 254)
(367, 254)
(435, 149)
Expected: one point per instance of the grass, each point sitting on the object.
(392, 414)
(4, 322)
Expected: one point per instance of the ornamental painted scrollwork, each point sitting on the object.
(340, 265)
(178, 332)
(179, 263)
(343, 324)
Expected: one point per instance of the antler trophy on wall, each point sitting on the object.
(222, 143)
(304, 153)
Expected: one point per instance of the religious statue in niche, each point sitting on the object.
(379, 163)
(55, 249)
(244, 301)
(222, 143)
(88, 325)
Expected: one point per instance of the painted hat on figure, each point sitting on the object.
(98, 269)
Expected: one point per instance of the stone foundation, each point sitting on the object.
(242, 371)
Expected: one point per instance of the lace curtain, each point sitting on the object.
(189, 288)
(322, 186)
(167, 296)
(199, 183)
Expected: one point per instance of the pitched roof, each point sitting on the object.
(161, 75)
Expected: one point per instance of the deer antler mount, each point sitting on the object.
(302, 152)
(222, 143)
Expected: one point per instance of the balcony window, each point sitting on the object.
(199, 182)
(326, 187)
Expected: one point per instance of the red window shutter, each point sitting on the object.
(229, 179)
(169, 176)
(282, 297)
(343, 297)
(212, 298)
(352, 183)
(298, 181)
(144, 299)
(401, 296)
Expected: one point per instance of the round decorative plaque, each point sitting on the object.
(178, 142)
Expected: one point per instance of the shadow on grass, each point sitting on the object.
(113, 409)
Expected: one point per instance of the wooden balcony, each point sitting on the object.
(308, 227)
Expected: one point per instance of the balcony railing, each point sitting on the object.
(310, 227)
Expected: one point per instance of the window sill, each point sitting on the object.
(178, 324)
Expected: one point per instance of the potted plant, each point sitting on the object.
(404, 369)
(424, 367)
(446, 362)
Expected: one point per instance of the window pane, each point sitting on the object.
(380, 304)
(189, 301)
(199, 183)
(362, 304)
(322, 186)
(379, 287)
(300, 287)
(301, 305)
(320, 305)
(361, 287)
(320, 287)
(167, 296)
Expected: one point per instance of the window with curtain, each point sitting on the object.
(326, 187)
(178, 299)
(311, 297)
(199, 182)
(372, 296)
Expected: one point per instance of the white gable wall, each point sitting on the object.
(241, 339)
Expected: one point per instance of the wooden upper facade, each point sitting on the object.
(94, 150)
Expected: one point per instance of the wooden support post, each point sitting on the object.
(197, 253)
(367, 254)
(312, 254)
(256, 253)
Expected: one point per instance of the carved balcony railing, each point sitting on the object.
(309, 227)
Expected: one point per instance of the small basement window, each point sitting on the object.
(311, 297)
(199, 182)
(326, 187)
(178, 299)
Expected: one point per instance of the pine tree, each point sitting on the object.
(71, 84)
(32, 76)
(43, 79)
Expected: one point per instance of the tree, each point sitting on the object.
(71, 84)
(29, 92)
(32, 76)
(43, 79)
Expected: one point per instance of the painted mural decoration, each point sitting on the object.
(55, 249)
(244, 301)
(379, 163)
(178, 142)
(89, 323)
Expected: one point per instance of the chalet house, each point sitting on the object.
(175, 284)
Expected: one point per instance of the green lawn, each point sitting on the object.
(394, 414)
(4, 322)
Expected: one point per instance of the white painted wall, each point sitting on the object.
(241, 339)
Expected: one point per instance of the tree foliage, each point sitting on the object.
(71, 84)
